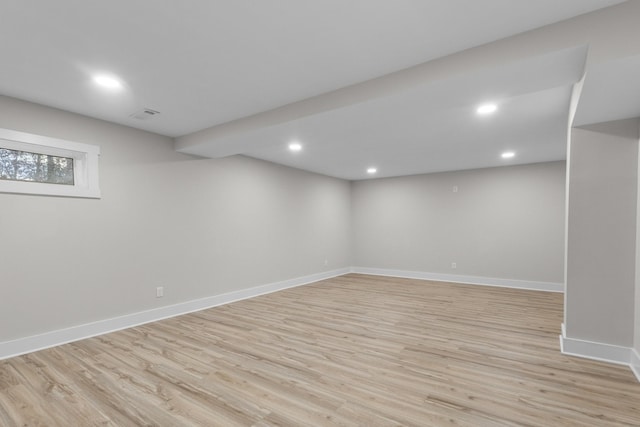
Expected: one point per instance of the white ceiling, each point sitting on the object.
(611, 92)
(434, 127)
(206, 62)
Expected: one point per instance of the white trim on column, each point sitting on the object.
(473, 280)
(595, 350)
(601, 352)
(635, 363)
(88, 330)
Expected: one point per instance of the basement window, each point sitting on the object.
(34, 164)
(16, 165)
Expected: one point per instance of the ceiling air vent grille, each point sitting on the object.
(145, 114)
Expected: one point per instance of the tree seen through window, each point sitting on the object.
(16, 165)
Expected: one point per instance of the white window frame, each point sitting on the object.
(85, 165)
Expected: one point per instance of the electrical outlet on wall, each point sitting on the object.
(159, 291)
(454, 265)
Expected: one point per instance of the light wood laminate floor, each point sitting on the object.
(354, 351)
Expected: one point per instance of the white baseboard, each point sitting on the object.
(62, 336)
(569, 346)
(601, 352)
(635, 363)
(472, 280)
(595, 350)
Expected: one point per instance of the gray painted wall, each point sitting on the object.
(203, 227)
(198, 227)
(505, 222)
(637, 299)
(601, 235)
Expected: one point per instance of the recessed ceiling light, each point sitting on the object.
(108, 82)
(487, 109)
(295, 146)
(371, 171)
(507, 154)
